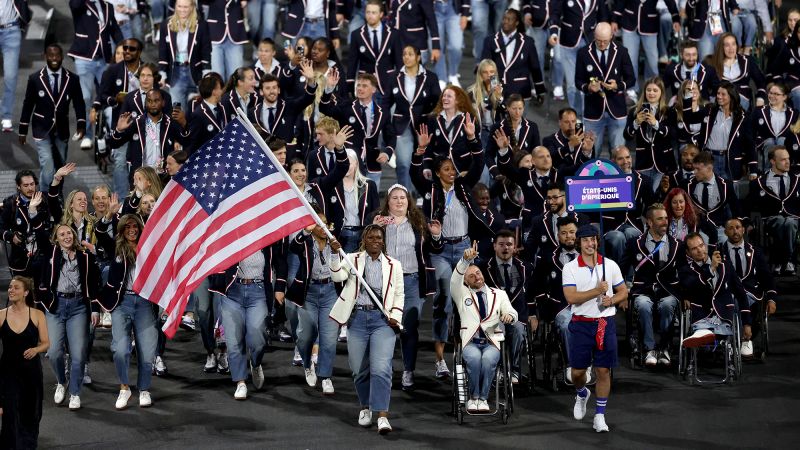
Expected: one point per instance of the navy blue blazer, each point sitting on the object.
(740, 151)
(383, 62)
(697, 11)
(565, 159)
(653, 145)
(523, 298)
(642, 15)
(761, 125)
(203, 126)
(93, 37)
(619, 69)
(136, 137)
(409, 111)
(296, 11)
(539, 10)
(568, 21)
(528, 140)
(199, 51)
(727, 207)
(517, 72)
(705, 76)
(287, 113)
(648, 279)
(415, 19)
(750, 73)
(133, 102)
(51, 114)
(225, 19)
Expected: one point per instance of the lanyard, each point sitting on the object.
(650, 256)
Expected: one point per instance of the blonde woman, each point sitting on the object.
(688, 103)
(360, 199)
(184, 51)
(486, 96)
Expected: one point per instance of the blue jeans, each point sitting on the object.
(314, 321)
(350, 239)
(451, 40)
(631, 40)
(69, 321)
(539, 36)
(262, 16)
(127, 30)
(615, 127)
(10, 41)
(655, 177)
(569, 57)
(226, 57)
(444, 263)
(667, 307)
(370, 346)
(481, 361)
(134, 313)
(121, 171)
(403, 151)
(357, 21)
(707, 42)
(515, 336)
(563, 318)
(90, 73)
(314, 30)
(412, 313)
(784, 234)
(721, 167)
(664, 31)
(616, 240)
(557, 70)
(44, 149)
(137, 27)
(244, 316)
(182, 84)
(158, 10)
(486, 18)
(208, 312)
(745, 27)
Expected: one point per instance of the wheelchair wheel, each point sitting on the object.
(531, 359)
(505, 413)
(554, 383)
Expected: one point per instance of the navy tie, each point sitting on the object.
(271, 118)
(481, 305)
(331, 161)
(705, 199)
(375, 44)
(782, 187)
(738, 263)
(507, 277)
(55, 87)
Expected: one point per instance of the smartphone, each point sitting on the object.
(286, 44)
(301, 50)
(645, 108)
(578, 127)
(493, 81)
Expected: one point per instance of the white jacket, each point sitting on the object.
(391, 291)
(497, 304)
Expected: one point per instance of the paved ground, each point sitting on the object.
(192, 409)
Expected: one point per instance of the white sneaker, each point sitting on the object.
(297, 360)
(600, 423)
(257, 372)
(122, 399)
(60, 393)
(159, 366)
(579, 410)
(241, 392)
(788, 268)
(453, 79)
(86, 378)
(472, 405)
(211, 363)
(442, 85)
(383, 425)
(314, 358)
(222, 363)
(747, 348)
(664, 358)
(86, 143)
(7, 126)
(632, 96)
(311, 376)
(699, 339)
(343, 334)
(558, 93)
(441, 369)
(365, 418)
(483, 405)
(327, 386)
(776, 269)
(144, 399)
(650, 360)
(105, 322)
(408, 380)
(74, 403)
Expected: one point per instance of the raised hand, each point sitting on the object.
(500, 138)
(332, 77)
(124, 122)
(472, 252)
(36, 200)
(63, 172)
(344, 134)
(307, 69)
(113, 206)
(423, 139)
(469, 127)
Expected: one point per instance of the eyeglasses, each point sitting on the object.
(777, 94)
(129, 48)
(553, 197)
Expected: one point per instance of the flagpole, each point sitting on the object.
(342, 254)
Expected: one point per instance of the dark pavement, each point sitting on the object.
(195, 410)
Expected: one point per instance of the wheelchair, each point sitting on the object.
(100, 146)
(554, 359)
(689, 359)
(503, 387)
(530, 360)
(634, 335)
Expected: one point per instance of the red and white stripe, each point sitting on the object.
(181, 244)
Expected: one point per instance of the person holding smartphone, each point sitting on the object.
(650, 126)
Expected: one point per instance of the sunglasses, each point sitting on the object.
(129, 48)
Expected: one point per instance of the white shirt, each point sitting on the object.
(410, 83)
(152, 147)
(777, 119)
(182, 45)
(50, 79)
(584, 278)
(512, 44)
(7, 12)
(315, 9)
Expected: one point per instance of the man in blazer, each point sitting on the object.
(713, 197)
(514, 53)
(515, 277)
(95, 31)
(47, 97)
(150, 137)
(750, 265)
(377, 50)
(369, 119)
(690, 67)
(680, 177)
(480, 310)
(775, 195)
(208, 117)
(543, 235)
(278, 115)
(603, 72)
(570, 148)
(416, 22)
(533, 182)
(654, 259)
(25, 226)
(709, 18)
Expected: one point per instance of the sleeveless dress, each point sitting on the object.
(21, 388)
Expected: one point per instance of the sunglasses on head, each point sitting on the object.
(130, 48)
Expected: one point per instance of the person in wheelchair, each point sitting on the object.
(710, 288)
(751, 268)
(515, 277)
(654, 259)
(592, 285)
(481, 309)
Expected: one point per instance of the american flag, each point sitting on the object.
(227, 202)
